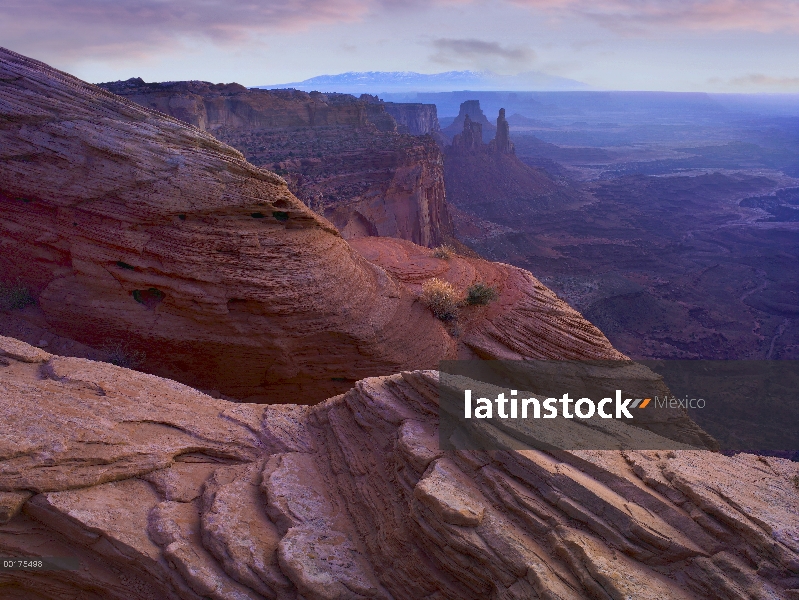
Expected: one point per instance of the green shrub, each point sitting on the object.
(14, 295)
(480, 294)
(441, 298)
(280, 215)
(444, 251)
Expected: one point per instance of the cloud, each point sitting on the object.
(761, 80)
(85, 28)
(481, 54)
(66, 31)
(643, 15)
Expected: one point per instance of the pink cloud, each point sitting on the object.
(82, 27)
(66, 30)
(751, 15)
(760, 80)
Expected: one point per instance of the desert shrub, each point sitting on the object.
(444, 251)
(122, 355)
(14, 295)
(480, 294)
(280, 215)
(441, 298)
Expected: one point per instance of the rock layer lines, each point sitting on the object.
(163, 492)
(132, 226)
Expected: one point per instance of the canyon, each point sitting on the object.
(131, 227)
(313, 469)
(669, 221)
(367, 166)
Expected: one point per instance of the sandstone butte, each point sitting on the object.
(131, 226)
(345, 157)
(161, 492)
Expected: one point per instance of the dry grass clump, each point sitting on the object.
(122, 354)
(441, 298)
(444, 251)
(480, 294)
(14, 295)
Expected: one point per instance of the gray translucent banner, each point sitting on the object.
(732, 406)
(39, 563)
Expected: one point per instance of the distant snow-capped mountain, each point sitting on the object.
(355, 82)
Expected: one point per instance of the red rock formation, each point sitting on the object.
(488, 181)
(470, 139)
(342, 156)
(389, 192)
(159, 491)
(134, 227)
(225, 107)
(411, 117)
(527, 321)
(501, 143)
(472, 110)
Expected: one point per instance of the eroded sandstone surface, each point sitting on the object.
(345, 157)
(160, 492)
(132, 227)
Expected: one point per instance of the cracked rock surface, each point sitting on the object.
(163, 492)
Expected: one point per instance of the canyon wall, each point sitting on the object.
(133, 227)
(418, 119)
(341, 155)
(156, 491)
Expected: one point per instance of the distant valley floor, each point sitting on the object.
(689, 258)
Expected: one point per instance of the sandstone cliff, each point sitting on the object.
(410, 117)
(418, 119)
(471, 109)
(341, 155)
(224, 107)
(160, 492)
(501, 143)
(489, 189)
(131, 226)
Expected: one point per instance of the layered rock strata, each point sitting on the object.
(341, 155)
(416, 118)
(501, 142)
(411, 117)
(489, 190)
(133, 227)
(158, 491)
(472, 110)
(527, 321)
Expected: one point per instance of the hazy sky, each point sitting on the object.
(691, 45)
